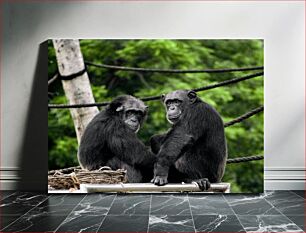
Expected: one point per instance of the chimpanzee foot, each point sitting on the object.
(160, 180)
(203, 184)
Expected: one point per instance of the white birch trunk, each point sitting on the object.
(77, 90)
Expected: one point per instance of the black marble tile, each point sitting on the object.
(95, 204)
(7, 220)
(217, 223)
(164, 223)
(44, 217)
(35, 223)
(301, 193)
(59, 205)
(98, 199)
(88, 214)
(20, 203)
(266, 223)
(250, 205)
(5, 193)
(286, 202)
(128, 223)
(81, 222)
(65, 199)
(299, 220)
(55, 210)
(209, 205)
(130, 204)
(170, 205)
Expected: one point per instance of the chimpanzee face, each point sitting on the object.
(175, 103)
(133, 112)
(133, 118)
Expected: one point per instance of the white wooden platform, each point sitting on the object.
(146, 188)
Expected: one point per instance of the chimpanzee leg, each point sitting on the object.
(133, 175)
(191, 170)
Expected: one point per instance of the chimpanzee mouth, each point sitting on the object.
(135, 127)
(174, 117)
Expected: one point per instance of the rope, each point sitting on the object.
(228, 82)
(244, 116)
(74, 75)
(125, 68)
(245, 159)
(99, 104)
(224, 83)
(232, 122)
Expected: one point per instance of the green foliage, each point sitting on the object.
(243, 139)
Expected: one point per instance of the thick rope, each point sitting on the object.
(244, 116)
(245, 159)
(232, 122)
(74, 75)
(99, 104)
(224, 83)
(125, 68)
(228, 82)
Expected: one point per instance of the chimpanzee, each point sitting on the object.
(110, 140)
(194, 149)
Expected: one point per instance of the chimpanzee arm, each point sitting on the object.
(130, 149)
(169, 152)
(156, 141)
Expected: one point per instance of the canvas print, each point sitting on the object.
(155, 115)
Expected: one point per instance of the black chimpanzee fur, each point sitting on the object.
(110, 140)
(194, 149)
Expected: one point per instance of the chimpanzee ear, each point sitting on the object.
(163, 97)
(146, 109)
(145, 113)
(192, 95)
(116, 105)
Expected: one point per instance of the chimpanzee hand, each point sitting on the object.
(203, 184)
(160, 180)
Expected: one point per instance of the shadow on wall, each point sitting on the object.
(34, 158)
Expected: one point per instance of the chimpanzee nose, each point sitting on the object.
(172, 108)
(133, 119)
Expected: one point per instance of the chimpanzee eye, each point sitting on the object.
(173, 102)
(177, 102)
(140, 114)
(168, 103)
(129, 113)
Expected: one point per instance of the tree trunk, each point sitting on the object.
(77, 90)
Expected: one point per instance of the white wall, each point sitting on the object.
(26, 25)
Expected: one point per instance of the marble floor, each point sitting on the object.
(278, 211)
